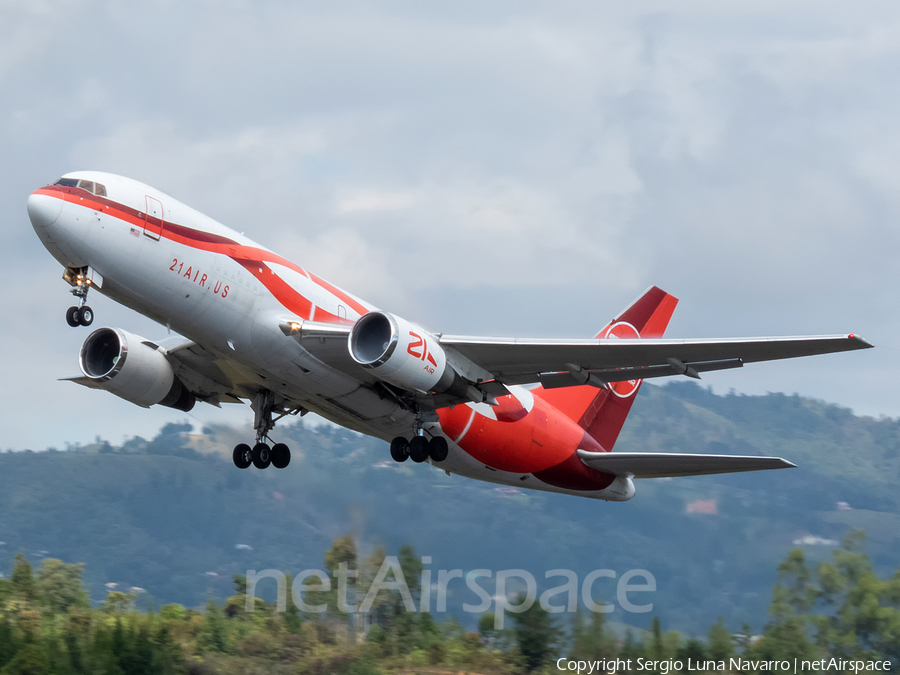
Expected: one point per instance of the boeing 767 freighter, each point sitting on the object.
(533, 413)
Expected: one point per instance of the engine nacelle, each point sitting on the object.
(401, 353)
(127, 366)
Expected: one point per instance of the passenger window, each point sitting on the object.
(67, 182)
(86, 185)
(99, 189)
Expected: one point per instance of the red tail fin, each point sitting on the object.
(602, 412)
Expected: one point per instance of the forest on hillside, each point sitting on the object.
(172, 516)
(838, 609)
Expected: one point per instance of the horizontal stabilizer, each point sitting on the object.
(670, 464)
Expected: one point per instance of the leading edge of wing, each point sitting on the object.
(535, 355)
(673, 465)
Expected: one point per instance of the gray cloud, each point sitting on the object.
(496, 171)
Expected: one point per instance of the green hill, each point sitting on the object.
(173, 516)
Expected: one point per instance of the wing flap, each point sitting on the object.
(599, 377)
(670, 464)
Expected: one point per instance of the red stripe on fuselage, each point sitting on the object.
(289, 297)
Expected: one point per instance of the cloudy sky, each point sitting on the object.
(488, 168)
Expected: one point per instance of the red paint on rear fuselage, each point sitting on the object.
(542, 436)
(541, 442)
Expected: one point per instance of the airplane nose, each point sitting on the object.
(43, 210)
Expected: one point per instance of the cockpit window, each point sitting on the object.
(90, 186)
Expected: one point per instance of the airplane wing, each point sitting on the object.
(557, 363)
(212, 379)
(565, 363)
(669, 464)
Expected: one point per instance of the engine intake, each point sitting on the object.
(131, 368)
(403, 354)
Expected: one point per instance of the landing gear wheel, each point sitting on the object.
(261, 455)
(418, 449)
(399, 449)
(438, 448)
(86, 316)
(242, 456)
(281, 455)
(73, 317)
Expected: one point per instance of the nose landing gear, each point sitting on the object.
(261, 455)
(82, 315)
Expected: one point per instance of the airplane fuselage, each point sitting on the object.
(221, 290)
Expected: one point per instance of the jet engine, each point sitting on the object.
(406, 356)
(132, 368)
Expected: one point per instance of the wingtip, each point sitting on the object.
(861, 342)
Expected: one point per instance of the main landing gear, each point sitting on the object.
(82, 315)
(419, 449)
(261, 455)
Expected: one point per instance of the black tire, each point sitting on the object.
(85, 316)
(399, 449)
(261, 455)
(73, 317)
(418, 449)
(438, 448)
(242, 456)
(281, 455)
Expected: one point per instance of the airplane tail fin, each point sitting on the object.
(602, 412)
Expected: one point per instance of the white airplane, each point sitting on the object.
(533, 413)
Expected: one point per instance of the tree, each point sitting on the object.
(292, 620)
(411, 565)
(854, 614)
(694, 650)
(862, 617)
(487, 630)
(721, 645)
(403, 633)
(785, 636)
(118, 602)
(29, 660)
(656, 646)
(630, 648)
(427, 630)
(537, 636)
(589, 637)
(59, 585)
(213, 634)
(377, 614)
(7, 642)
(342, 552)
(22, 581)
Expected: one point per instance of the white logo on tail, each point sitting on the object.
(622, 330)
